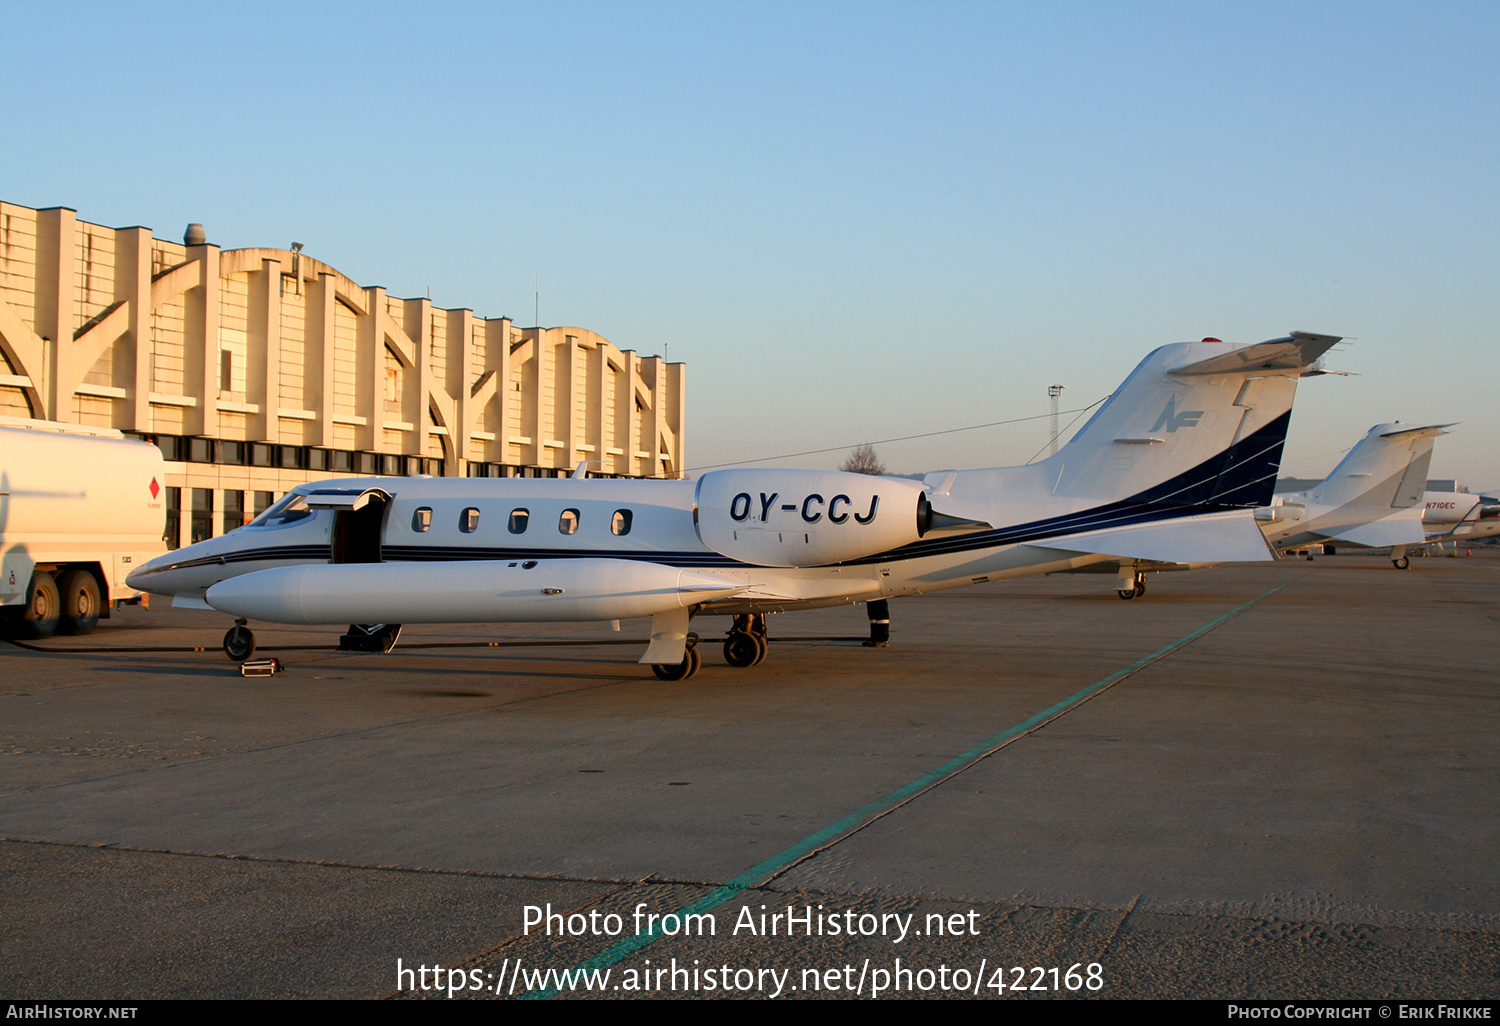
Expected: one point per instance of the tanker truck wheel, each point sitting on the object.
(80, 602)
(239, 643)
(43, 607)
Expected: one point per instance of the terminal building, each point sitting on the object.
(256, 370)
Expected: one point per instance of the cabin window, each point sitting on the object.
(568, 522)
(518, 520)
(421, 520)
(620, 522)
(468, 521)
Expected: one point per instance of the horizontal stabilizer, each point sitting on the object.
(1298, 351)
(1417, 432)
(1222, 538)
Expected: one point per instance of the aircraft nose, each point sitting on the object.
(141, 577)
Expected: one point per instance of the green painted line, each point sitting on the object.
(759, 874)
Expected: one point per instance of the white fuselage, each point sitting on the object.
(1455, 516)
(661, 532)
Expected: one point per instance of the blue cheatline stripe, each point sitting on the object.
(760, 874)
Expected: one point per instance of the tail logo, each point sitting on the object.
(1172, 420)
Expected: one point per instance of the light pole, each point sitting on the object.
(1053, 391)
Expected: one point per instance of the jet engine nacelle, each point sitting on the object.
(806, 517)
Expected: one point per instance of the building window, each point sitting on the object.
(422, 519)
(262, 455)
(226, 371)
(263, 501)
(317, 459)
(200, 450)
(173, 532)
(620, 522)
(468, 521)
(234, 511)
(341, 461)
(203, 514)
(390, 466)
(518, 520)
(170, 446)
(568, 522)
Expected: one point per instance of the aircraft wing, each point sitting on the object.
(1216, 538)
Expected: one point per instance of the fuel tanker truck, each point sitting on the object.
(80, 508)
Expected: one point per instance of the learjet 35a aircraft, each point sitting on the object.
(1372, 499)
(1169, 469)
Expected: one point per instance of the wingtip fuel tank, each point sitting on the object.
(466, 591)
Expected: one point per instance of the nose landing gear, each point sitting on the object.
(239, 642)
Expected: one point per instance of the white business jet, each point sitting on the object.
(1169, 469)
(1371, 500)
(1459, 516)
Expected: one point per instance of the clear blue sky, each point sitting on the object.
(851, 220)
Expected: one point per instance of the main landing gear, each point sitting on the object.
(745, 644)
(684, 669)
(1398, 558)
(879, 614)
(1136, 590)
(370, 637)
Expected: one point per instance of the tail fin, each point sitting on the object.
(1387, 470)
(1195, 424)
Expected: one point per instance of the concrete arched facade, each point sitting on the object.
(258, 369)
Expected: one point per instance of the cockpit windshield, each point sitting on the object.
(290, 507)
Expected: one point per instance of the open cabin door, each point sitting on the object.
(358, 522)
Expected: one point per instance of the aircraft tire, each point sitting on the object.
(743, 649)
(43, 607)
(762, 646)
(80, 604)
(1401, 564)
(678, 671)
(239, 643)
(1126, 593)
(1140, 587)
